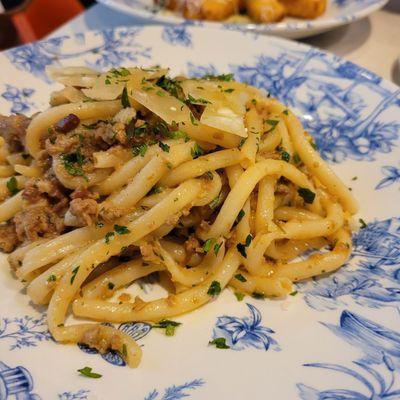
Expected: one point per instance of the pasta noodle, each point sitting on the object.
(205, 183)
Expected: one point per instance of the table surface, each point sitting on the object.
(373, 42)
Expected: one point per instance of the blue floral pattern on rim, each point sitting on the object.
(177, 35)
(241, 333)
(175, 392)
(376, 281)
(19, 97)
(26, 331)
(377, 372)
(392, 176)
(81, 394)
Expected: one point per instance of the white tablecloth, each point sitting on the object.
(373, 42)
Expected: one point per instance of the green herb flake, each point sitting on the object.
(196, 151)
(214, 289)
(285, 156)
(193, 120)
(108, 236)
(254, 102)
(198, 101)
(296, 158)
(307, 195)
(240, 216)
(249, 239)
(121, 230)
(215, 202)
(178, 135)
(222, 77)
(363, 224)
(229, 90)
(110, 285)
(125, 99)
(208, 244)
(286, 112)
(240, 278)
(239, 296)
(217, 246)
(273, 123)
(73, 275)
(124, 350)
(354, 178)
(51, 278)
(12, 185)
(219, 343)
(107, 81)
(140, 150)
(73, 163)
(294, 293)
(242, 249)
(258, 296)
(87, 371)
(168, 325)
(164, 147)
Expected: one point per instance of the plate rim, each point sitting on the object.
(299, 26)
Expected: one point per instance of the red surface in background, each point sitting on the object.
(43, 16)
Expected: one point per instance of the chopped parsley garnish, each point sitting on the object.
(254, 102)
(273, 123)
(229, 90)
(257, 295)
(363, 224)
(87, 371)
(240, 216)
(214, 289)
(241, 247)
(178, 135)
(242, 142)
(168, 325)
(307, 195)
(156, 190)
(286, 112)
(125, 99)
(217, 246)
(110, 285)
(208, 245)
(73, 163)
(222, 77)
(294, 293)
(219, 343)
(73, 275)
(198, 101)
(140, 150)
(172, 86)
(164, 147)
(119, 72)
(240, 278)
(208, 175)
(161, 129)
(313, 145)
(354, 178)
(12, 185)
(51, 278)
(160, 93)
(107, 81)
(193, 120)
(108, 236)
(239, 296)
(285, 156)
(133, 130)
(121, 230)
(196, 151)
(296, 158)
(215, 202)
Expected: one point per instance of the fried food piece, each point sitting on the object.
(218, 10)
(173, 5)
(265, 10)
(192, 9)
(308, 9)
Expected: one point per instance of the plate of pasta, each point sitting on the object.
(193, 228)
(286, 18)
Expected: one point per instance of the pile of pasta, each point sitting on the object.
(225, 189)
(243, 11)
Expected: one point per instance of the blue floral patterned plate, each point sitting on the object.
(338, 338)
(338, 13)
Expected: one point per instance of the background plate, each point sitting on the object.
(339, 12)
(337, 338)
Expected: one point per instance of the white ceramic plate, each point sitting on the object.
(338, 338)
(339, 12)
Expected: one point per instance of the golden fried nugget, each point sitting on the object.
(173, 5)
(304, 8)
(192, 9)
(265, 10)
(218, 10)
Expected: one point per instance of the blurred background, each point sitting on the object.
(23, 21)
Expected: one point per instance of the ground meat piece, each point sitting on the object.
(82, 192)
(85, 210)
(13, 130)
(8, 237)
(109, 214)
(37, 221)
(104, 132)
(61, 144)
(44, 160)
(46, 188)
